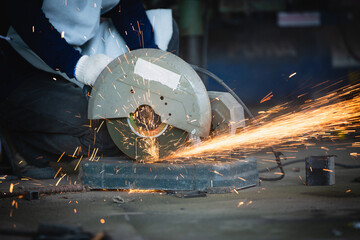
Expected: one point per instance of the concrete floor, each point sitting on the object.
(274, 210)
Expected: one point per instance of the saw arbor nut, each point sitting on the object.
(146, 117)
(145, 122)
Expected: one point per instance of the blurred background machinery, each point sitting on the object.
(256, 46)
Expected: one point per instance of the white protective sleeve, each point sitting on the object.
(95, 37)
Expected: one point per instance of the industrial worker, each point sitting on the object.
(50, 50)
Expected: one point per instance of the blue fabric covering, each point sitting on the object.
(132, 23)
(30, 23)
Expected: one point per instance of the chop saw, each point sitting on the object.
(154, 103)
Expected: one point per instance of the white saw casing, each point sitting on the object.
(155, 78)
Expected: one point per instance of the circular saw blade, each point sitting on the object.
(145, 148)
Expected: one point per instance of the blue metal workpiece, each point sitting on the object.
(183, 176)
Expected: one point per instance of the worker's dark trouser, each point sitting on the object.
(46, 115)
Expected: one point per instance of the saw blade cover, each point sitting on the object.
(155, 78)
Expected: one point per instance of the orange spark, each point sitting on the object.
(267, 97)
(143, 191)
(216, 172)
(75, 151)
(57, 172)
(78, 163)
(60, 179)
(240, 204)
(11, 188)
(102, 221)
(302, 180)
(320, 84)
(109, 69)
(338, 109)
(100, 126)
(293, 74)
(61, 157)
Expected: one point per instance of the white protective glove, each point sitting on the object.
(88, 68)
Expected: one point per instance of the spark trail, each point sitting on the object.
(314, 119)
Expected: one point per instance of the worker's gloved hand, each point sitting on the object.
(88, 68)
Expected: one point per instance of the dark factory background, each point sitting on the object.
(276, 48)
(288, 173)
